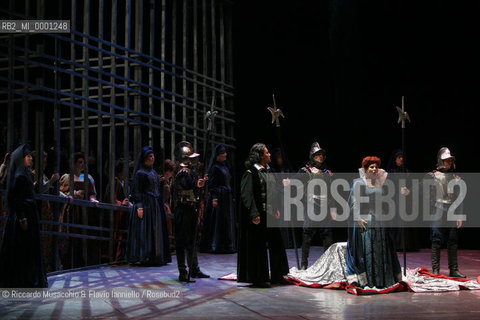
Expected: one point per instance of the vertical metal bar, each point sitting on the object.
(184, 64)
(174, 79)
(40, 147)
(99, 183)
(56, 137)
(229, 69)
(38, 156)
(126, 100)
(72, 125)
(163, 43)
(151, 83)
(195, 68)
(11, 77)
(40, 111)
(86, 132)
(205, 54)
(137, 29)
(229, 55)
(26, 74)
(112, 144)
(214, 39)
(222, 61)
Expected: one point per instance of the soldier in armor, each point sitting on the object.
(440, 201)
(186, 187)
(316, 169)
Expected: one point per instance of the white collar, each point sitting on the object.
(382, 176)
(259, 167)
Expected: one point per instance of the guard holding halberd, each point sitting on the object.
(186, 186)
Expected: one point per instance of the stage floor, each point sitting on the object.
(121, 292)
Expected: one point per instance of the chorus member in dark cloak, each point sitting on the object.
(397, 171)
(255, 237)
(371, 257)
(444, 231)
(280, 164)
(147, 242)
(219, 231)
(21, 255)
(186, 188)
(316, 169)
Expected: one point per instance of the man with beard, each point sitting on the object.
(255, 237)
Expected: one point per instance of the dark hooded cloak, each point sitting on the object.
(21, 255)
(219, 231)
(148, 242)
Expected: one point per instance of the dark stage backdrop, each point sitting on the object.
(339, 68)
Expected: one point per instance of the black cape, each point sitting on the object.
(21, 255)
(219, 231)
(252, 264)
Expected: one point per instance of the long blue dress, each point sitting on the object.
(148, 242)
(371, 257)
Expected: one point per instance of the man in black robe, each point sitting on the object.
(255, 237)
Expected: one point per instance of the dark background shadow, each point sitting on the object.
(339, 68)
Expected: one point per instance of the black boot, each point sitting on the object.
(305, 250)
(199, 274)
(435, 258)
(195, 271)
(183, 277)
(453, 262)
(182, 269)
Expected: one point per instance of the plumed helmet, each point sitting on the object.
(314, 149)
(443, 154)
(184, 152)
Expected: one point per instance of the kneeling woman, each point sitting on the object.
(148, 236)
(371, 257)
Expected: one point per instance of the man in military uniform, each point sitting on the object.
(316, 169)
(186, 186)
(440, 202)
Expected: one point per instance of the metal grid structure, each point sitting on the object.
(130, 73)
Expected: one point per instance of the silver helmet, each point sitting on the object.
(443, 154)
(184, 152)
(315, 148)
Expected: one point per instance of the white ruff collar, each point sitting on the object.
(381, 177)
